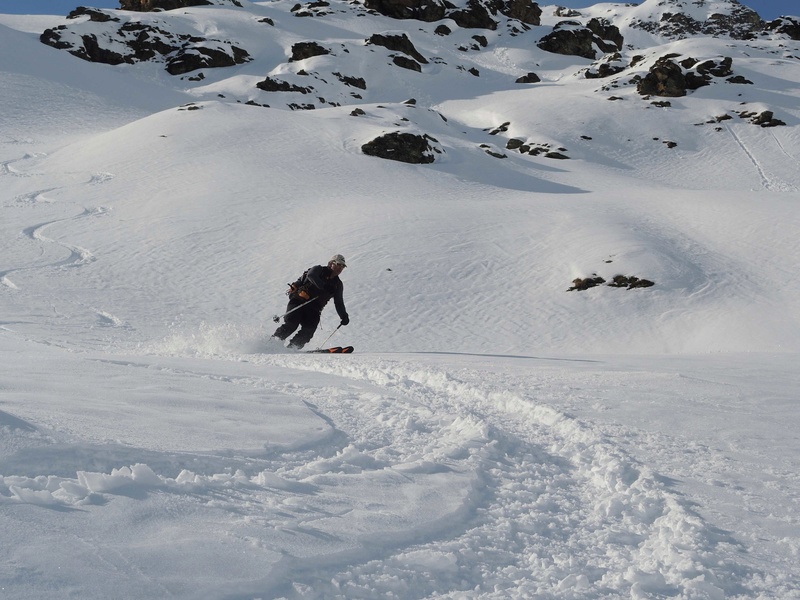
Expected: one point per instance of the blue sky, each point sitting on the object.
(768, 9)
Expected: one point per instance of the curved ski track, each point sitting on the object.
(557, 508)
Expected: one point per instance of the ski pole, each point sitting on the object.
(277, 318)
(329, 337)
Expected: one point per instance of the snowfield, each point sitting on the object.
(494, 436)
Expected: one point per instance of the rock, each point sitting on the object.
(630, 282)
(667, 78)
(98, 16)
(191, 59)
(402, 147)
(407, 63)
(356, 82)
(609, 65)
(421, 10)
(477, 14)
(303, 50)
(788, 26)
(474, 16)
(766, 119)
(573, 39)
(132, 41)
(523, 10)
(398, 43)
(566, 13)
(152, 5)
(274, 85)
(736, 21)
(585, 284)
(529, 78)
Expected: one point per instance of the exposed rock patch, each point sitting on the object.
(152, 5)
(738, 22)
(476, 14)
(529, 78)
(403, 147)
(671, 79)
(397, 43)
(132, 41)
(788, 26)
(619, 281)
(304, 50)
(573, 39)
(275, 85)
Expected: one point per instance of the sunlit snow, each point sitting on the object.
(493, 436)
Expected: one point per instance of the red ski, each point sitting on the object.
(334, 350)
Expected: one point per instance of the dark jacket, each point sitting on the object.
(319, 284)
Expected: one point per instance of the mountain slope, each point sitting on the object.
(494, 435)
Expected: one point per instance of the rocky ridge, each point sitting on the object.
(630, 51)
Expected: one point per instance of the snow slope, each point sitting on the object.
(494, 436)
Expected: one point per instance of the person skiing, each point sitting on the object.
(308, 296)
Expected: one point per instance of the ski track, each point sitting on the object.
(6, 167)
(579, 512)
(77, 255)
(767, 182)
(554, 509)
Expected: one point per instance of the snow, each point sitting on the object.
(494, 436)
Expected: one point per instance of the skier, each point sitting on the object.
(311, 292)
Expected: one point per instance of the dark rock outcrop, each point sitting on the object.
(421, 10)
(573, 39)
(529, 78)
(193, 58)
(609, 65)
(397, 43)
(151, 5)
(94, 14)
(665, 78)
(303, 50)
(403, 147)
(475, 16)
(478, 14)
(133, 41)
(523, 10)
(276, 85)
(788, 26)
(586, 283)
(737, 22)
(670, 79)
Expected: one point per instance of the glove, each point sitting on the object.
(345, 321)
(303, 294)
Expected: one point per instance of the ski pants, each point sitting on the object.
(306, 318)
